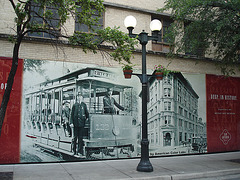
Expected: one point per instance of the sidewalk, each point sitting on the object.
(207, 166)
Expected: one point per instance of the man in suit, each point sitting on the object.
(65, 118)
(109, 102)
(79, 115)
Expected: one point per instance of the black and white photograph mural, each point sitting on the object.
(177, 114)
(73, 111)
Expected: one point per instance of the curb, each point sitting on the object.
(209, 174)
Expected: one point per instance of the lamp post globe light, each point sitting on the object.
(130, 21)
(155, 25)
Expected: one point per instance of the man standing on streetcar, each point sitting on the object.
(109, 102)
(79, 115)
(65, 118)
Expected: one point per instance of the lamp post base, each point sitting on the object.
(145, 166)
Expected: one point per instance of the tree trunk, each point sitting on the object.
(10, 81)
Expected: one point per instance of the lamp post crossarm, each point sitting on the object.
(133, 36)
(153, 38)
(140, 76)
(143, 37)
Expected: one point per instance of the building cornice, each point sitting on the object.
(135, 9)
(65, 42)
(186, 84)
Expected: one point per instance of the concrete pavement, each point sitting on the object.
(204, 166)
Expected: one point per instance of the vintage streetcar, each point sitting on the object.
(199, 144)
(105, 135)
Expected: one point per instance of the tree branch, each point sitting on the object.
(28, 10)
(13, 4)
(221, 5)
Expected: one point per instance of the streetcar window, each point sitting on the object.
(44, 126)
(28, 125)
(34, 125)
(50, 126)
(39, 126)
(134, 122)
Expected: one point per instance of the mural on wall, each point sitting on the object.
(223, 104)
(176, 114)
(10, 135)
(112, 124)
(73, 111)
(101, 125)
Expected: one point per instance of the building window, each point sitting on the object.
(180, 136)
(167, 80)
(163, 44)
(179, 98)
(185, 125)
(185, 103)
(156, 138)
(167, 106)
(38, 18)
(179, 87)
(185, 113)
(185, 138)
(180, 122)
(190, 116)
(167, 119)
(180, 110)
(84, 28)
(191, 126)
(167, 139)
(167, 92)
(188, 37)
(152, 138)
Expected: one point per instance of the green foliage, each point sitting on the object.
(128, 66)
(86, 40)
(123, 45)
(211, 28)
(49, 16)
(161, 68)
(11, 39)
(33, 65)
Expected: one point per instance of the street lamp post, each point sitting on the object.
(130, 22)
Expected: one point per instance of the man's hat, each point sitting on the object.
(66, 102)
(109, 89)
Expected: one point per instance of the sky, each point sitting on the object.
(198, 82)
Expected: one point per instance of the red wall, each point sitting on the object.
(223, 113)
(10, 135)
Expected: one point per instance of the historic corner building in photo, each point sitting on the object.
(177, 120)
(173, 120)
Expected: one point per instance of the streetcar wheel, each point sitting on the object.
(88, 153)
(60, 156)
